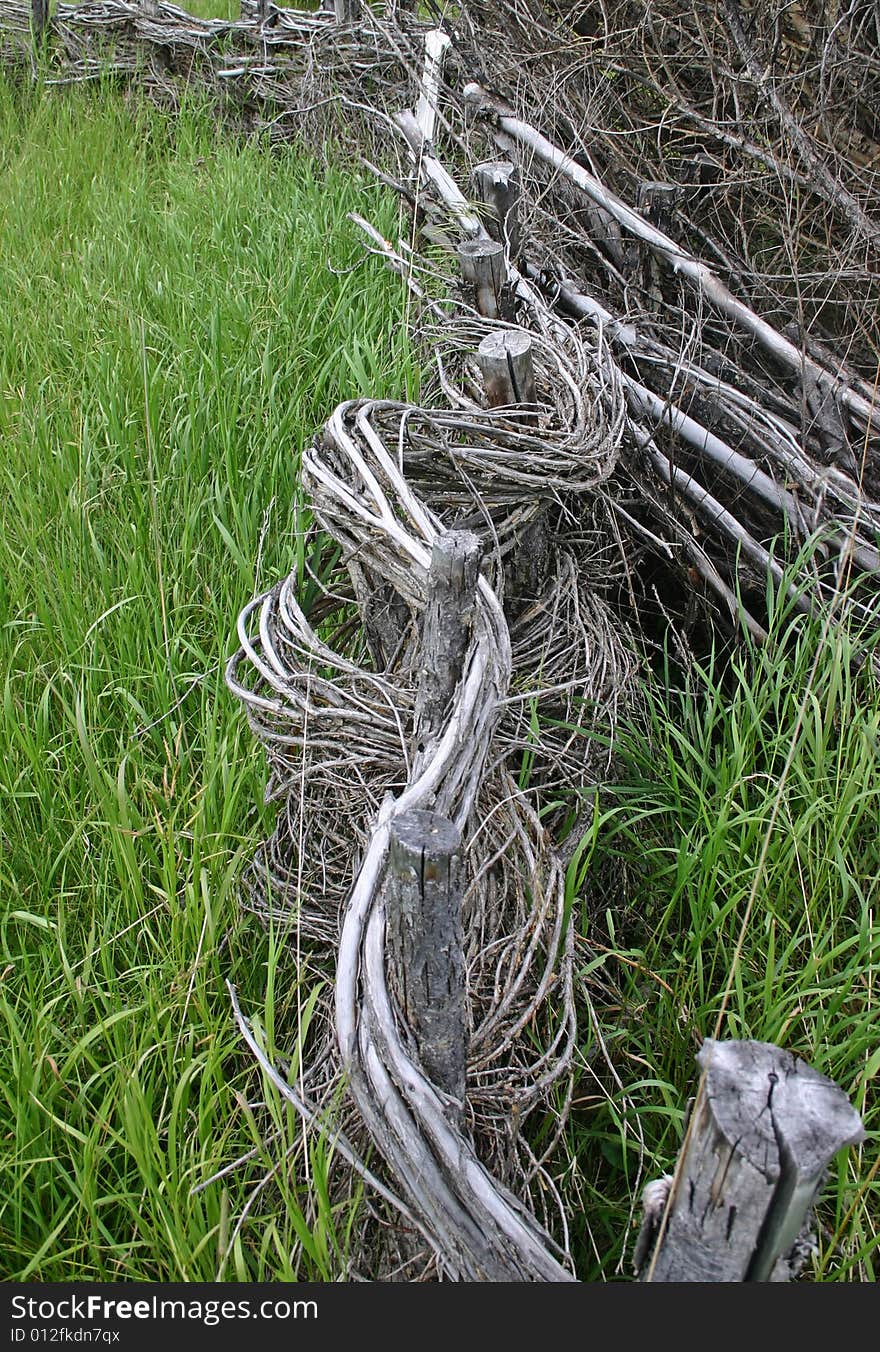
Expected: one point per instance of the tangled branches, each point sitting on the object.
(334, 704)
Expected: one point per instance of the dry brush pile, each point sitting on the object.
(695, 260)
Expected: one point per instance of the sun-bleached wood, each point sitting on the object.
(447, 628)
(482, 264)
(436, 44)
(764, 1128)
(432, 171)
(696, 273)
(505, 358)
(497, 185)
(425, 944)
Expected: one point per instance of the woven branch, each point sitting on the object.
(385, 479)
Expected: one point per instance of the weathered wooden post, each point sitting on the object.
(498, 187)
(505, 358)
(482, 264)
(39, 18)
(763, 1130)
(346, 10)
(423, 895)
(447, 626)
(422, 888)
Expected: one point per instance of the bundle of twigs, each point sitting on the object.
(282, 72)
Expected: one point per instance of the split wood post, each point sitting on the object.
(422, 885)
(764, 1128)
(346, 10)
(447, 626)
(498, 186)
(505, 358)
(39, 18)
(425, 943)
(482, 264)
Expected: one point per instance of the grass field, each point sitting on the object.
(173, 331)
(179, 316)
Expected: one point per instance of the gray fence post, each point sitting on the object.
(482, 264)
(447, 625)
(764, 1128)
(497, 185)
(505, 358)
(425, 943)
(39, 17)
(422, 886)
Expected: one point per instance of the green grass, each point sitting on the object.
(215, 9)
(180, 314)
(748, 808)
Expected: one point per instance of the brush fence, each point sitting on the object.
(439, 678)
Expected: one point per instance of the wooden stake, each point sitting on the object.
(482, 264)
(39, 17)
(384, 615)
(527, 566)
(346, 10)
(447, 626)
(497, 185)
(766, 1126)
(505, 358)
(425, 944)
